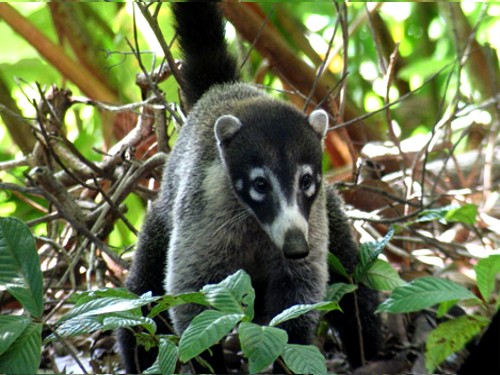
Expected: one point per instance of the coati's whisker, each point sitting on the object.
(238, 217)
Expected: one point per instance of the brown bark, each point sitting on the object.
(18, 128)
(56, 56)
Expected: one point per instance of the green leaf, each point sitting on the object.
(423, 293)
(107, 305)
(369, 252)
(23, 356)
(234, 294)
(76, 327)
(20, 265)
(486, 271)
(464, 214)
(261, 345)
(336, 291)
(451, 336)
(11, 327)
(128, 320)
(80, 298)
(87, 295)
(304, 359)
(166, 361)
(444, 307)
(205, 330)
(336, 265)
(167, 356)
(381, 276)
(298, 310)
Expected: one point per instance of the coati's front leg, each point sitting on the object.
(298, 282)
(146, 275)
(363, 302)
(188, 274)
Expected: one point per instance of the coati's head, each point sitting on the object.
(273, 154)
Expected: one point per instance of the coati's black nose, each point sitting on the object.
(295, 246)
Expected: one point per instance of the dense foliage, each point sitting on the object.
(90, 107)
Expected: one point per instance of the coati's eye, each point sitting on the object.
(261, 185)
(305, 182)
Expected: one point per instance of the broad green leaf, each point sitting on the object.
(11, 327)
(336, 291)
(261, 345)
(381, 276)
(234, 294)
(336, 265)
(88, 324)
(304, 359)
(20, 265)
(166, 361)
(451, 336)
(298, 310)
(76, 327)
(423, 293)
(107, 305)
(167, 356)
(486, 271)
(80, 298)
(205, 330)
(128, 320)
(23, 356)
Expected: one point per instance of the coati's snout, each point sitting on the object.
(295, 245)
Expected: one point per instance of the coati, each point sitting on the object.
(242, 189)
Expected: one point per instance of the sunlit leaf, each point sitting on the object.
(423, 293)
(451, 336)
(304, 359)
(20, 265)
(261, 345)
(205, 330)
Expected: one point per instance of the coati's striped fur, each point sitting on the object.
(242, 189)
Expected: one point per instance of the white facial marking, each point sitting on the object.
(254, 194)
(303, 170)
(239, 184)
(289, 216)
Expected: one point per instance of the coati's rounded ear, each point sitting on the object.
(226, 127)
(318, 120)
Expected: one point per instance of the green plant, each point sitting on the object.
(230, 305)
(371, 271)
(450, 336)
(20, 275)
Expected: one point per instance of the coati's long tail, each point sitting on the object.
(200, 29)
